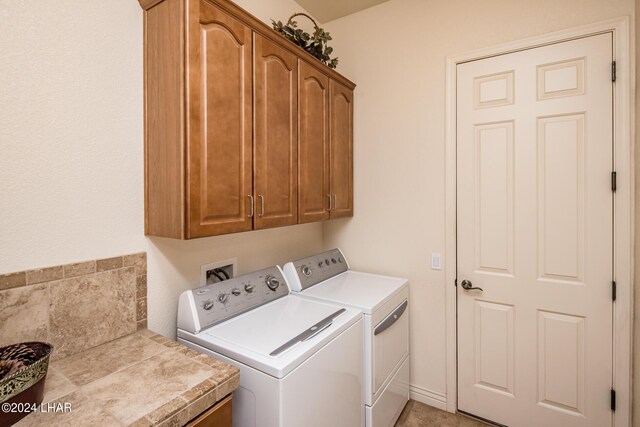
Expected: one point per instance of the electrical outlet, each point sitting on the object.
(209, 272)
(436, 262)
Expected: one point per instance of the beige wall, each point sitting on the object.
(71, 183)
(396, 52)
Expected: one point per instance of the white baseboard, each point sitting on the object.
(428, 397)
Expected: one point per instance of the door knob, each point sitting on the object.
(468, 286)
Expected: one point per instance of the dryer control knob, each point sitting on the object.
(272, 282)
(248, 287)
(306, 271)
(223, 298)
(235, 291)
(208, 305)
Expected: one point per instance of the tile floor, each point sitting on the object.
(418, 414)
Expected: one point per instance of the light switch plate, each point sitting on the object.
(436, 262)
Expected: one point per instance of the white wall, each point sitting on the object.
(396, 53)
(70, 131)
(71, 139)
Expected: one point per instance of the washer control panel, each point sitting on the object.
(316, 268)
(220, 301)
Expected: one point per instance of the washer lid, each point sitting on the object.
(277, 337)
(365, 291)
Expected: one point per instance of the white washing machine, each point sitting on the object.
(300, 360)
(384, 301)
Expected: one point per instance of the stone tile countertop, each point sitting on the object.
(142, 379)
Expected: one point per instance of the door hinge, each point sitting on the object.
(614, 182)
(613, 291)
(613, 400)
(455, 282)
(613, 71)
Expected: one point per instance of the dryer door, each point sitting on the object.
(390, 344)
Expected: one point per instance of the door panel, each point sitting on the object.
(561, 197)
(561, 358)
(494, 346)
(494, 197)
(534, 158)
(220, 143)
(341, 125)
(276, 134)
(313, 144)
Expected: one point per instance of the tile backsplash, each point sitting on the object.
(75, 306)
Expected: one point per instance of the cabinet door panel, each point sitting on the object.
(313, 144)
(220, 113)
(221, 415)
(341, 125)
(276, 134)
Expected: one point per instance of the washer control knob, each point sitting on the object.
(248, 288)
(339, 259)
(235, 291)
(223, 298)
(272, 282)
(320, 264)
(333, 260)
(207, 305)
(306, 271)
(326, 261)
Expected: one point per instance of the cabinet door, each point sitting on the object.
(218, 416)
(220, 124)
(341, 131)
(313, 144)
(276, 134)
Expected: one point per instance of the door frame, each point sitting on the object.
(623, 233)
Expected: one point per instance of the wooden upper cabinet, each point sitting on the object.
(275, 134)
(341, 137)
(313, 144)
(243, 129)
(220, 154)
(163, 121)
(326, 146)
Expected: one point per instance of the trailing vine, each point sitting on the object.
(315, 44)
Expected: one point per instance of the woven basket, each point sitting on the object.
(23, 369)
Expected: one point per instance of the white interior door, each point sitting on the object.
(534, 162)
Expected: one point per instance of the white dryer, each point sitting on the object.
(384, 301)
(300, 360)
